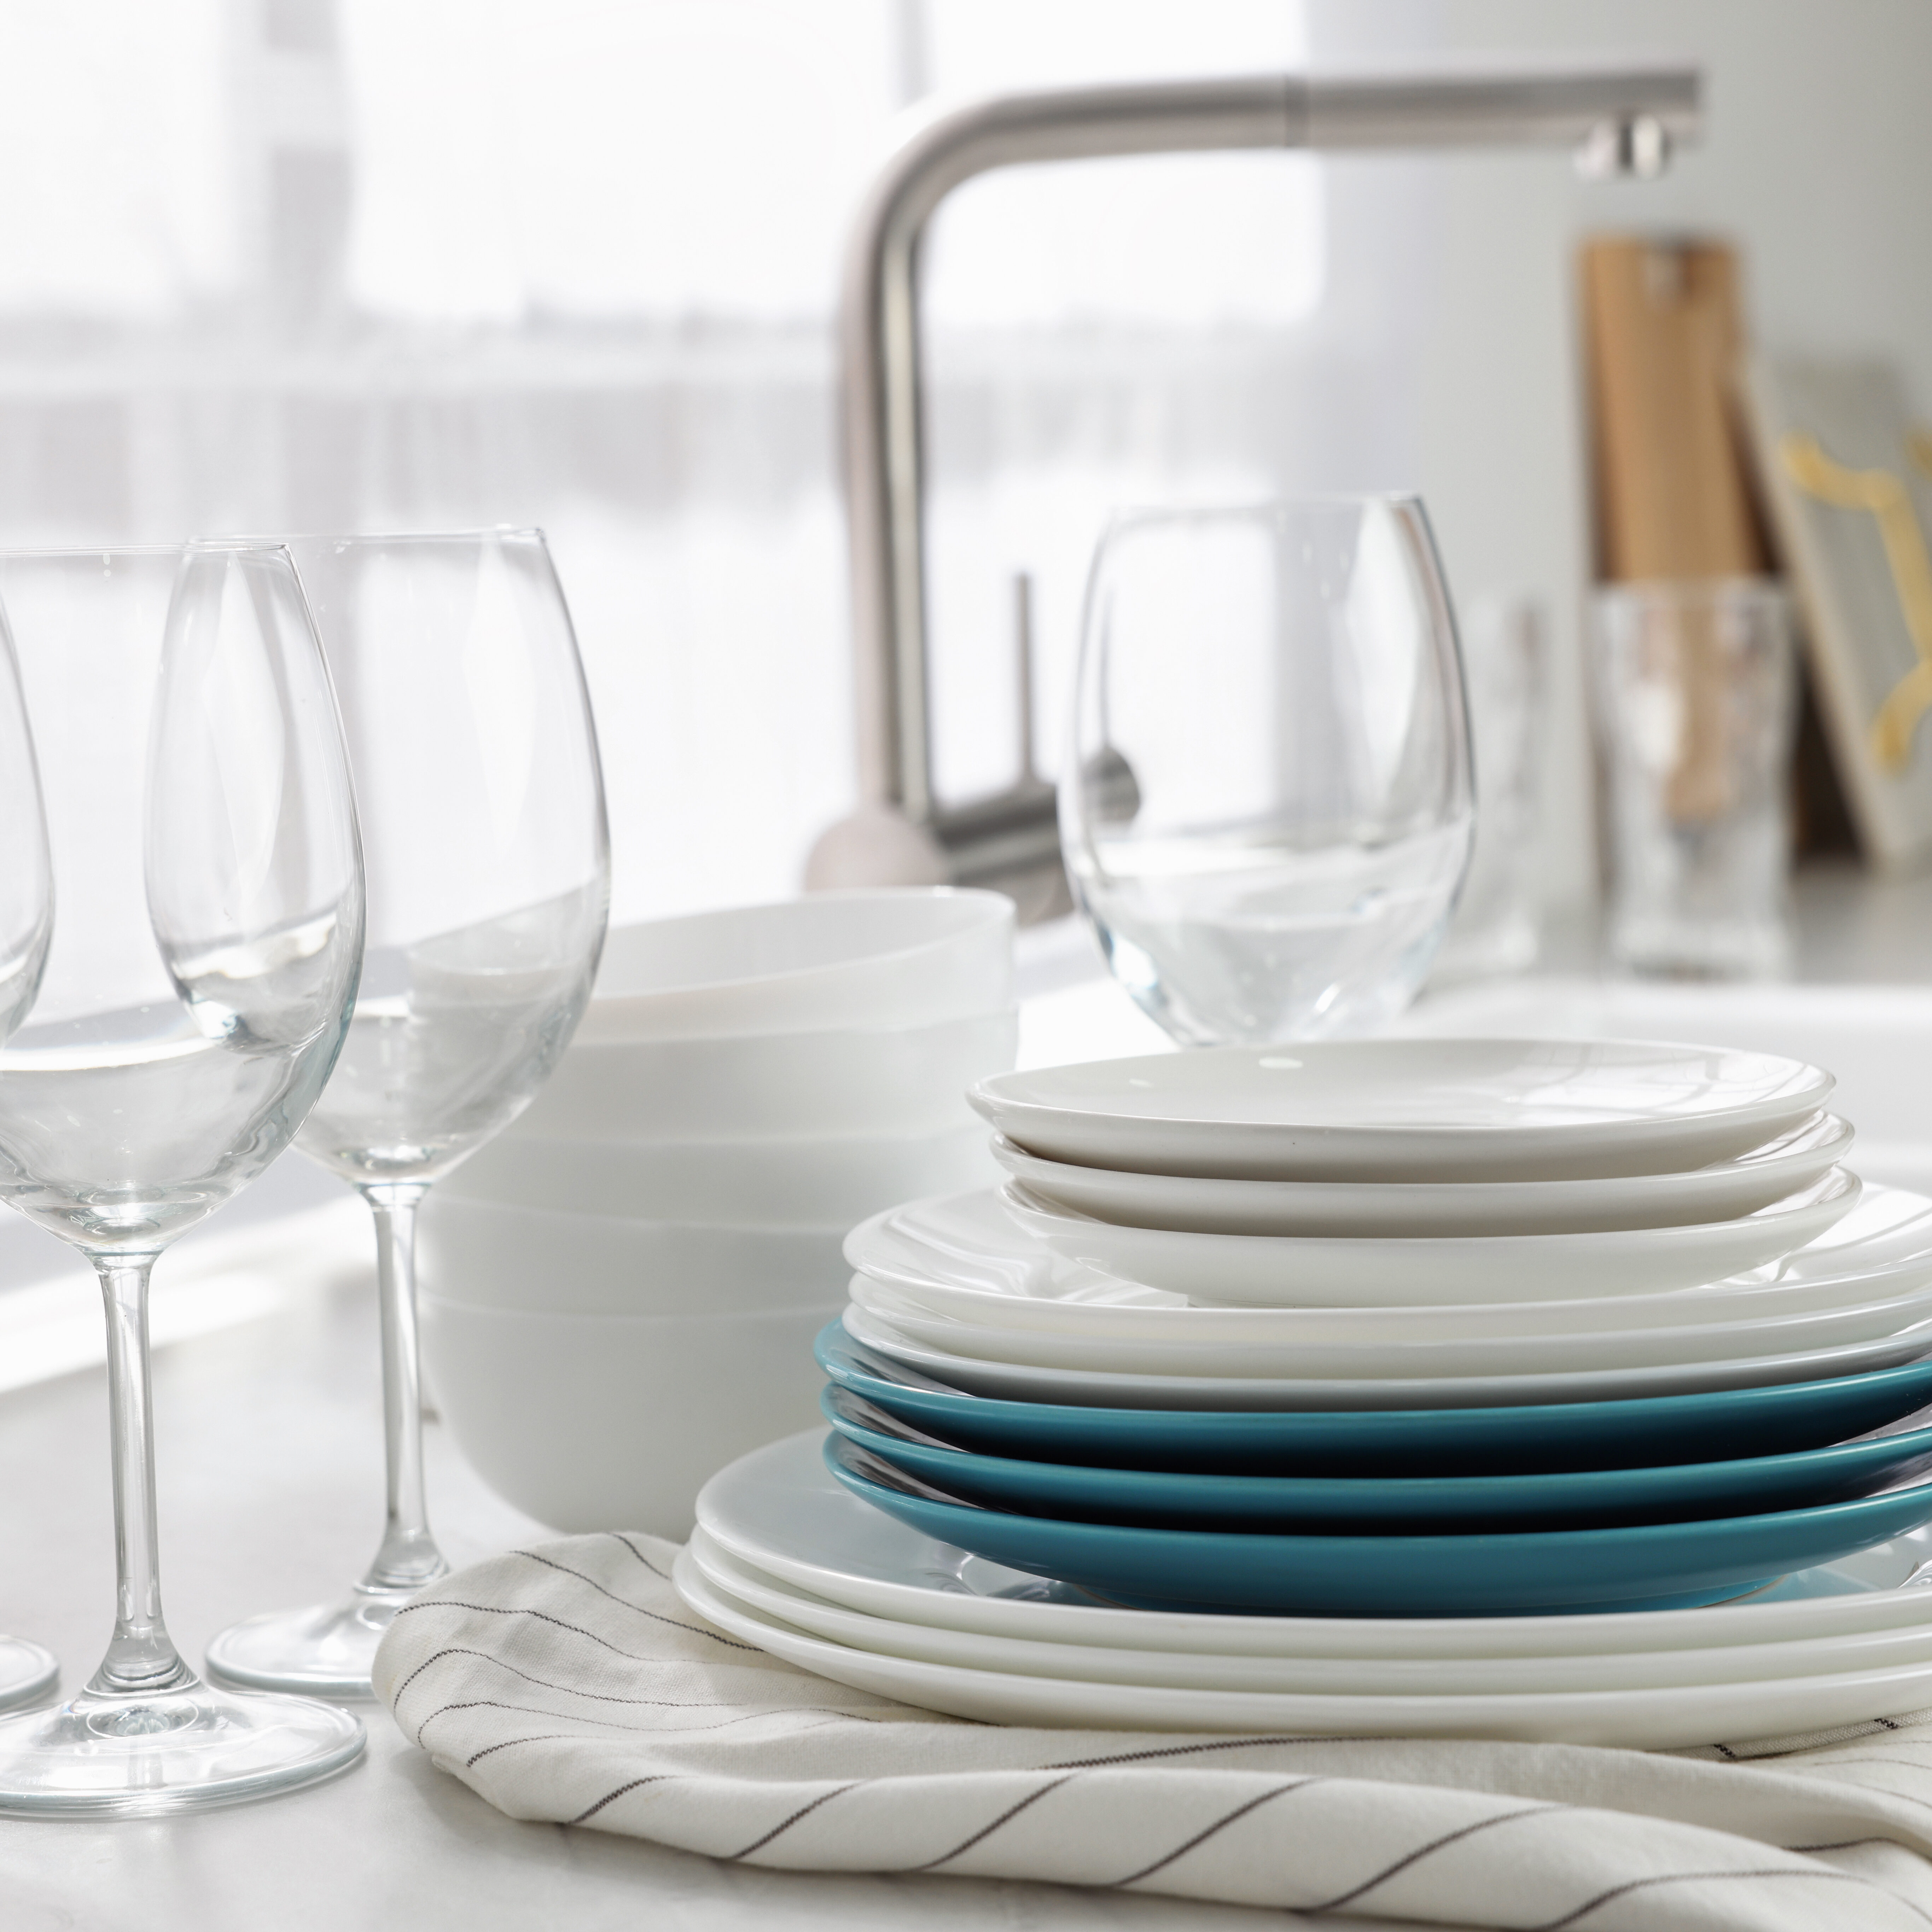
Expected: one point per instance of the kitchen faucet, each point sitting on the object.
(1622, 118)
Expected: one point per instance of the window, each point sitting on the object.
(427, 263)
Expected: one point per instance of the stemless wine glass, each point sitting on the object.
(482, 802)
(207, 909)
(1267, 808)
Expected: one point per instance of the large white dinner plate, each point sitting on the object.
(1670, 1717)
(965, 1255)
(1303, 1270)
(1396, 1354)
(781, 1511)
(1432, 1110)
(1213, 1206)
(1635, 1719)
(1907, 1644)
(1023, 1382)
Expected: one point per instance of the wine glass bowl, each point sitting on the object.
(1266, 805)
(453, 1035)
(206, 890)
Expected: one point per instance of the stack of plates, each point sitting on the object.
(621, 1289)
(1395, 1386)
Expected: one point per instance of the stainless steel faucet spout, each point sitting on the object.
(902, 834)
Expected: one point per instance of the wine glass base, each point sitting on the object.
(99, 1756)
(326, 1650)
(27, 1673)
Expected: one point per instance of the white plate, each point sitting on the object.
(1910, 1643)
(1314, 1270)
(1399, 1356)
(1720, 1192)
(1642, 1719)
(966, 1256)
(779, 1509)
(1432, 1110)
(1096, 1388)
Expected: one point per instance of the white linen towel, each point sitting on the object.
(570, 1683)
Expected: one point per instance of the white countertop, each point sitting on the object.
(270, 1475)
(269, 1442)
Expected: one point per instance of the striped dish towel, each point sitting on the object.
(570, 1683)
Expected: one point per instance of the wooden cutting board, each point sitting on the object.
(1674, 482)
(1664, 331)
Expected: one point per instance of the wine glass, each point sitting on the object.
(26, 924)
(1266, 807)
(207, 931)
(481, 802)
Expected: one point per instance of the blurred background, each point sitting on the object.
(423, 264)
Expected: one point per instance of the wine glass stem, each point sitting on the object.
(141, 1658)
(408, 1558)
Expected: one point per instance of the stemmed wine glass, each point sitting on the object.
(207, 930)
(1267, 808)
(27, 1671)
(481, 802)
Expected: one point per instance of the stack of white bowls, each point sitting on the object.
(619, 1292)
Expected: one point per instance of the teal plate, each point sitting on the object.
(1383, 1505)
(1723, 1424)
(1645, 1566)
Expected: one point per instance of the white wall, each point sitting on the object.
(1817, 161)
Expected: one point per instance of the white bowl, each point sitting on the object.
(912, 1080)
(497, 1255)
(594, 1422)
(888, 958)
(830, 1183)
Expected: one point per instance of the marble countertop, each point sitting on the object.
(269, 1444)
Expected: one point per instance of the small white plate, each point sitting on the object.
(966, 1256)
(1399, 1356)
(780, 1510)
(1910, 1643)
(1720, 1191)
(1329, 1271)
(1095, 1388)
(1411, 1110)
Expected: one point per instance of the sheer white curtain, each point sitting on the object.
(425, 263)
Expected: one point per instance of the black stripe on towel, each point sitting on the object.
(985, 1831)
(1234, 1817)
(1706, 1878)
